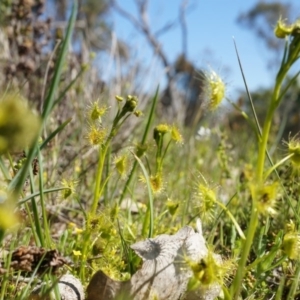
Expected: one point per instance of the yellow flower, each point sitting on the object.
(176, 136)
(159, 131)
(291, 242)
(96, 135)
(19, 126)
(210, 270)
(78, 230)
(215, 90)
(69, 188)
(156, 183)
(282, 30)
(121, 164)
(207, 201)
(77, 253)
(162, 128)
(265, 196)
(96, 111)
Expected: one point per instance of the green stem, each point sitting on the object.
(262, 151)
(149, 122)
(295, 283)
(237, 284)
(43, 205)
(102, 154)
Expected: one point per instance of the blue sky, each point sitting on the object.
(211, 26)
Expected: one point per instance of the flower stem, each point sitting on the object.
(262, 151)
(237, 284)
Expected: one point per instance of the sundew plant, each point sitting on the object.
(154, 181)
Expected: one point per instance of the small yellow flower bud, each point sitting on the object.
(172, 207)
(291, 245)
(121, 163)
(159, 131)
(131, 103)
(77, 253)
(119, 98)
(92, 55)
(140, 150)
(129, 106)
(282, 30)
(78, 230)
(294, 149)
(138, 113)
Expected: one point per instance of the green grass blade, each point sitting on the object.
(150, 204)
(64, 92)
(148, 125)
(4, 170)
(49, 101)
(36, 219)
(24, 200)
(42, 200)
(247, 90)
(54, 133)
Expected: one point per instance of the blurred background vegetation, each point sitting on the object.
(29, 41)
(30, 31)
